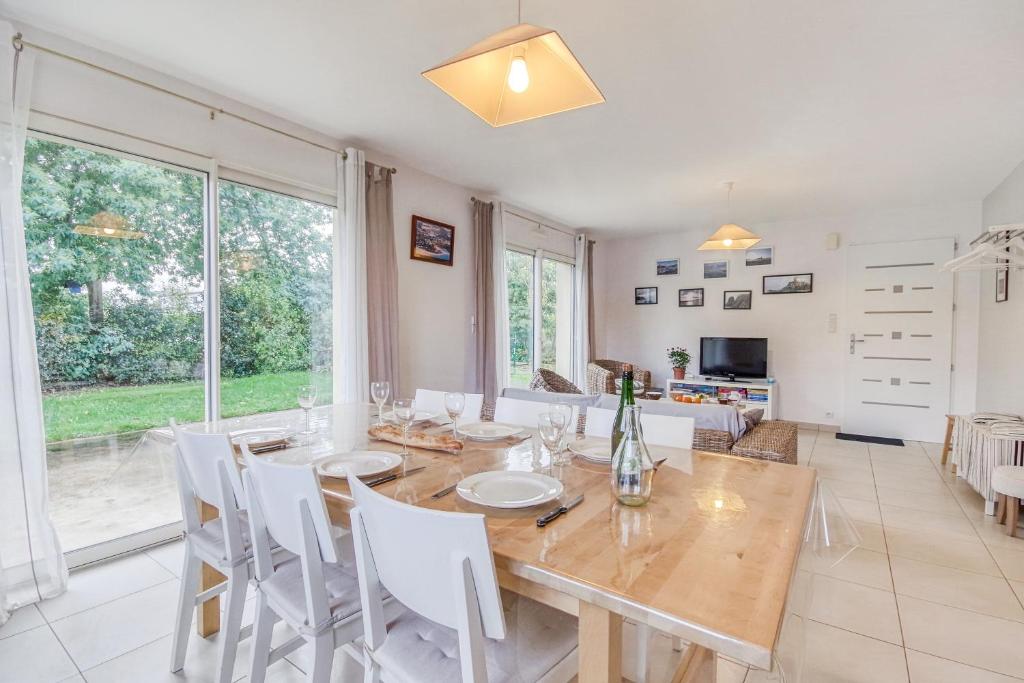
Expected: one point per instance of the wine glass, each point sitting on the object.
(551, 427)
(379, 392)
(565, 410)
(454, 404)
(405, 414)
(307, 399)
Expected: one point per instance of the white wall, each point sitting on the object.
(803, 356)
(1000, 374)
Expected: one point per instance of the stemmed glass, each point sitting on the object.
(307, 399)
(565, 410)
(379, 392)
(551, 427)
(454, 404)
(405, 413)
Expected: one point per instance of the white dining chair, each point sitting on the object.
(316, 593)
(207, 472)
(525, 413)
(433, 402)
(440, 566)
(674, 431)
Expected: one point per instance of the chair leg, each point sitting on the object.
(677, 644)
(643, 660)
(1012, 515)
(948, 441)
(234, 604)
(186, 607)
(263, 631)
(371, 671)
(323, 659)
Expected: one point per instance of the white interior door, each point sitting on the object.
(899, 339)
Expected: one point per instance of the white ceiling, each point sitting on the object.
(813, 107)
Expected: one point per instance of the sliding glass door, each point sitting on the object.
(275, 299)
(540, 314)
(115, 256)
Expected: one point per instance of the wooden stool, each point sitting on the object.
(948, 443)
(1008, 482)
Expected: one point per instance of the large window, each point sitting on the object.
(275, 299)
(540, 288)
(115, 256)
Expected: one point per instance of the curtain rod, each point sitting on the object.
(19, 43)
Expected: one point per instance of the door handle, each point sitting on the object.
(853, 343)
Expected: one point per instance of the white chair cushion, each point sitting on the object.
(1008, 480)
(287, 593)
(538, 637)
(209, 540)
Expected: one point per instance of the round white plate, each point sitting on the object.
(421, 416)
(509, 489)
(261, 435)
(490, 431)
(360, 463)
(595, 450)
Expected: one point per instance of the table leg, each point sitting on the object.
(208, 617)
(699, 665)
(600, 649)
(948, 441)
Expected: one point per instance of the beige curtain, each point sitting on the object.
(381, 278)
(486, 343)
(591, 337)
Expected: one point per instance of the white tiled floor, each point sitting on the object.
(934, 595)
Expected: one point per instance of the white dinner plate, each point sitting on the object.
(490, 431)
(509, 489)
(421, 416)
(359, 463)
(262, 435)
(593, 449)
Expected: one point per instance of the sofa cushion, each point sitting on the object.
(705, 415)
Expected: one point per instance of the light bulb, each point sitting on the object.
(727, 242)
(518, 76)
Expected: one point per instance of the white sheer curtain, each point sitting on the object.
(582, 308)
(31, 564)
(351, 358)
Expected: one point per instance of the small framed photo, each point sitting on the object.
(802, 283)
(759, 256)
(432, 241)
(668, 266)
(1003, 284)
(714, 270)
(644, 296)
(691, 298)
(737, 300)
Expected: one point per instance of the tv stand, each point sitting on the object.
(755, 393)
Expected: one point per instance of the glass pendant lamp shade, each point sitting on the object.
(524, 72)
(730, 236)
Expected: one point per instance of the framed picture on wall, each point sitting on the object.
(714, 270)
(802, 283)
(1003, 284)
(668, 266)
(737, 300)
(759, 256)
(691, 298)
(644, 296)
(432, 241)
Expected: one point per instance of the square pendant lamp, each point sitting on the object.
(522, 73)
(730, 236)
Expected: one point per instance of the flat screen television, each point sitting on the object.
(734, 357)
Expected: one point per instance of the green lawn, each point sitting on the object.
(111, 410)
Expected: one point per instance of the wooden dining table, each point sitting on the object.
(710, 559)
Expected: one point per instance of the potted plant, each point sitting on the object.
(680, 358)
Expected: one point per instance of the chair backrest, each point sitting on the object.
(525, 413)
(433, 401)
(429, 560)
(659, 430)
(207, 471)
(285, 495)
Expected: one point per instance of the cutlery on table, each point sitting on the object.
(268, 449)
(549, 517)
(397, 475)
(444, 492)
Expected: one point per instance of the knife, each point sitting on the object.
(546, 519)
(396, 475)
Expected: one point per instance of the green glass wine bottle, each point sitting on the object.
(625, 399)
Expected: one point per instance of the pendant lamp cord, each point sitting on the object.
(519, 16)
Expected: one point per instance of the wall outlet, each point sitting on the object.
(829, 414)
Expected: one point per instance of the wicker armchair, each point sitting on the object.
(601, 376)
(546, 380)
